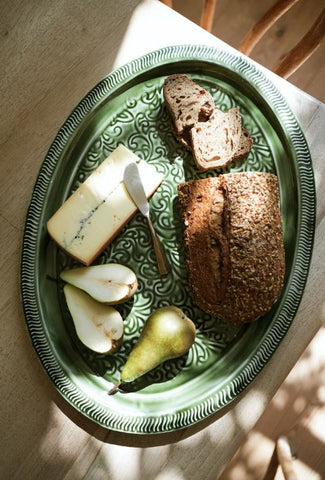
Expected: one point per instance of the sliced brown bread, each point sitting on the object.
(203, 250)
(187, 103)
(220, 141)
(234, 244)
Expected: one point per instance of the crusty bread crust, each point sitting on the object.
(215, 138)
(234, 247)
(220, 141)
(187, 103)
(202, 252)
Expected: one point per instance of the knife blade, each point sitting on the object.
(134, 186)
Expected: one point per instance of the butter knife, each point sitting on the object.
(134, 186)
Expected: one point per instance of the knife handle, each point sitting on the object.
(162, 262)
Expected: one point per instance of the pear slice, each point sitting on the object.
(99, 327)
(111, 283)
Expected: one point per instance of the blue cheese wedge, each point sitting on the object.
(94, 214)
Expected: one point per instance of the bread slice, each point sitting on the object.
(234, 244)
(220, 141)
(187, 103)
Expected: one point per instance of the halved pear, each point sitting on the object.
(111, 283)
(99, 327)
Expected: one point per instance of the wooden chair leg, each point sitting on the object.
(272, 467)
(266, 22)
(169, 3)
(303, 50)
(207, 14)
(284, 455)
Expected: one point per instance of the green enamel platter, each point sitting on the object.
(127, 107)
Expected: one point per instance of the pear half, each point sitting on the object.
(111, 283)
(99, 327)
(168, 333)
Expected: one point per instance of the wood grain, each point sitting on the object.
(303, 50)
(207, 14)
(296, 411)
(264, 24)
(234, 18)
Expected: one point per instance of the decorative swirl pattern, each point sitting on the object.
(140, 122)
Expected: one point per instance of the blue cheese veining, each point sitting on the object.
(92, 216)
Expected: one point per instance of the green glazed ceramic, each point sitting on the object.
(127, 107)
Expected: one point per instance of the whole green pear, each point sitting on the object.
(168, 333)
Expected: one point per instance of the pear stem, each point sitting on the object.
(114, 388)
(49, 277)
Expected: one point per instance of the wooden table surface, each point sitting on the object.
(52, 54)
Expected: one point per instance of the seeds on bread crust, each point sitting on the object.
(234, 247)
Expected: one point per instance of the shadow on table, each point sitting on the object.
(58, 51)
(295, 412)
(295, 402)
(141, 440)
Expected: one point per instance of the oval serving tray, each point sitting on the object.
(127, 107)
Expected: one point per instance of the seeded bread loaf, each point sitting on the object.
(234, 244)
(187, 103)
(220, 141)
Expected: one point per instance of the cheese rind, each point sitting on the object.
(94, 214)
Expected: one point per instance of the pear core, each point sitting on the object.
(100, 327)
(111, 283)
